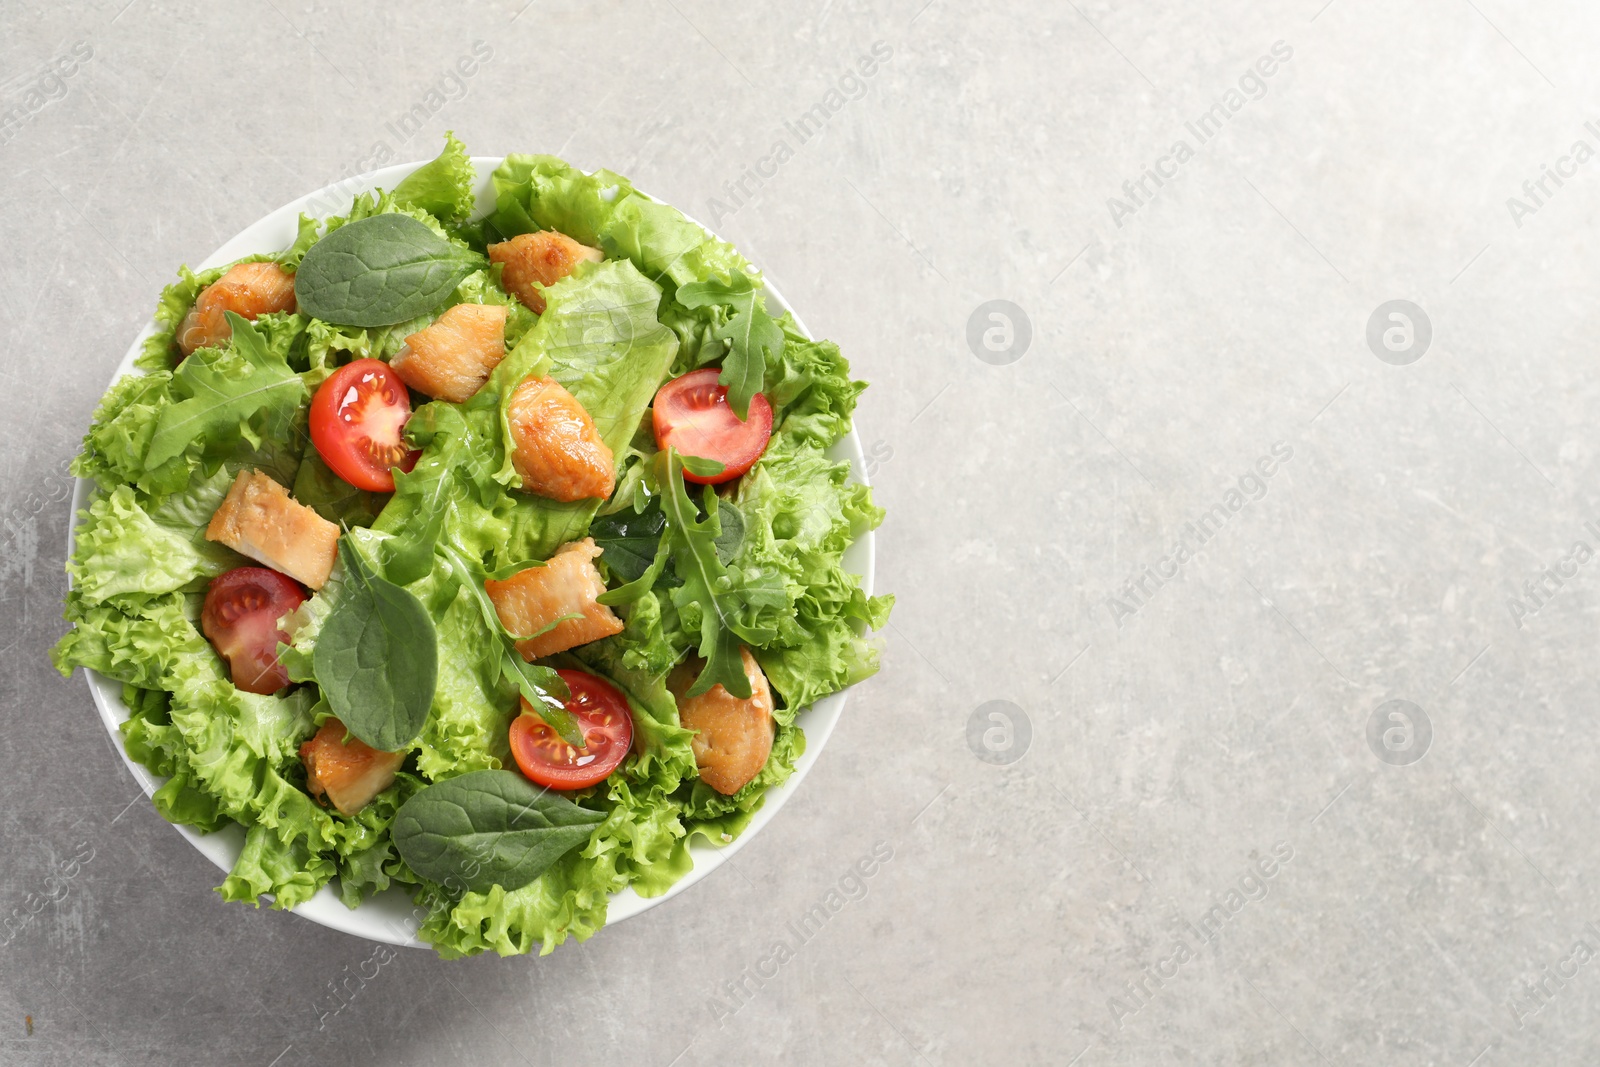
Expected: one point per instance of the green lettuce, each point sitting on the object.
(604, 210)
(800, 513)
(121, 550)
(442, 188)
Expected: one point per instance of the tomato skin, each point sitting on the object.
(357, 418)
(692, 415)
(605, 721)
(240, 619)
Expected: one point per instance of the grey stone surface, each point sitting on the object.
(1175, 750)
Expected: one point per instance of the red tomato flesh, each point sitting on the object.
(605, 722)
(240, 619)
(692, 415)
(356, 420)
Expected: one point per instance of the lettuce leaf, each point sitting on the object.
(122, 550)
(143, 645)
(642, 841)
(119, 434)
(813, 398)
(801, 512)
(442, 188)
(473, 704)
(603, 209)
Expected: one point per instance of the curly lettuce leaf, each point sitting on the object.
(443, 187)
(813, 398)
(642, 842)
(119, 434)
(122, 550)
(801, 512)
(143, 645)
(603, 209)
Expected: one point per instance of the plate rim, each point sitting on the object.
(383, 917)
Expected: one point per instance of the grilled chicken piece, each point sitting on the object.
(451, 359)
(558, 451)
(349, 774)
(732, 737)
(567, 584)
(259, 520)
(247, 290)
(535, 260)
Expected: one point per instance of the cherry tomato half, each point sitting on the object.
(606, 724)
(692, 415)
(356, 420)
(240, 619)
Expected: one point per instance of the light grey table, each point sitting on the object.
(1193, 830)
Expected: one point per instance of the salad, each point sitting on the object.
(490, 558)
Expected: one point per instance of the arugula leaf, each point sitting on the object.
(488, 828)
(380, 270)
(707, 582)
(225, 388)
(701, 467)
(442, 187)
(750, 333)
(542, 686)
(377, 657)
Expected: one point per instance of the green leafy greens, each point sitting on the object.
(225, 387)
(443, 187)
(488, 828)
(541, 686)
(723, 599)
(753, 339)
(381, 270)
(377, 657)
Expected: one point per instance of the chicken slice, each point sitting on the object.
(732, 737)
(259, 520)
(247, 290)
(535, 260)
(567, 584)
(348, 774)
(451, 359)
(558, 451)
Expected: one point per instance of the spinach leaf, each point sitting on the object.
(488, 828)
(377, 657)
(628, 592)
(752, 337)
(637, 551)
(225, 388)
(628, 541)
(318, 488)
(379, 271)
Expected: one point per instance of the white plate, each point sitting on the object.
(388, 916)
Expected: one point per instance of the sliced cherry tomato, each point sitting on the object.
(356, 420)
(607, 726)
(692, 415)
(240, 619)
